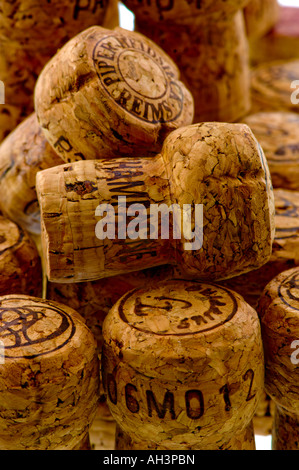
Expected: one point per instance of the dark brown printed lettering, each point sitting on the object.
(194, 411)
(112, 389)
(249, 375)
(225, 391)
(131, 402)
(168, 404)
(63, 145)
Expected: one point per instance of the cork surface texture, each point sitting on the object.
(23, 153)
(50, 374)
(169, 365)
(188, 171)
(207, 40)
(124, 93)
(278, 311)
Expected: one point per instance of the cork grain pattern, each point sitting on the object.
(207, 41)
(285, 254)
(271, 86)
(261, 16)
(218, 165)
(278, 310)
(108, 92)
(49, 382)
(277, 132)
(178, 361)
(22, 154)
(20, 264)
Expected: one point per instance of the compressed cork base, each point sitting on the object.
(278, 134)
(281, 43)
(234, 189)
(182, 365)
(285, 250)
(108, 93)
(49, 381)
(209, 45)
(278, 311)
(103, 429)
(261, 16)
(22, 154)
(272, 87)
(20, 264)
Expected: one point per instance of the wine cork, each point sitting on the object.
(31, 33)
(182, 366)
(278, 311)
(103, 429)
(261, 16)
(278, 135)
(285, 249)
(213, 176)
(22, 154)
(207, 41)
(20, 264)
(273, 87)
(281, 43)
(107, 93)
(49, 378)
(112, 17)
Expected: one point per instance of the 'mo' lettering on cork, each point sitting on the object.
(138, 79)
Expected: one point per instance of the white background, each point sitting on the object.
(127, 22)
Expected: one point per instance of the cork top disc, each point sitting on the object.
(107, 93)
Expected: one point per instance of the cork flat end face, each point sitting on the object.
(124, 93)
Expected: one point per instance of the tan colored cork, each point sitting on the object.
(260, 17)
(107, 93)
(112, 17)
(207, 41)
(218, 165)
(271, 87)
(278, 134)
(182, 365)
(50, 377)
(278, 311)
(20, 264)
(281, 43)
(22, 154)
(30, 34)
(285, 249)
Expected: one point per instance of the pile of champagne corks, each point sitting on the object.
(149, 226)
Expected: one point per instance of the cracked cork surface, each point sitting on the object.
(31, 33)
(50, 379)
(278, 135)
(218, 165)
(271, 86)
(107, 93)
(278, 311)
(183, 367)
(207, 41)
(20, 264)
(22, 154)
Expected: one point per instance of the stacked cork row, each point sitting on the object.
(149, 207)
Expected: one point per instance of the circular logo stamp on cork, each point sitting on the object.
(178, 308)
(138, 78)
(29, 329)
(288, 290)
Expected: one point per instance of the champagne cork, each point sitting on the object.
(107, 93)
(112, 17)
(183, 366)
(213, 176)
(22, 154)
(278, 135)
(50, 376)
(260, 17)
(285, 249)
(207, 41)
(30, 34)
(273, 87)
(281, 43)
(278, 311)
(20, 264)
